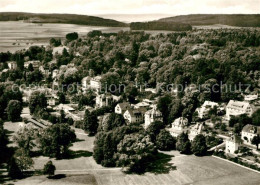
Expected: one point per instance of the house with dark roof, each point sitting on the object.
(133, 116)
(249, 132)
(122, 107)
(151, 116)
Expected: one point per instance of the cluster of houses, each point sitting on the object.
(36, 64)
(144, 112)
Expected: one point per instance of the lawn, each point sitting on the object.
(180, 169)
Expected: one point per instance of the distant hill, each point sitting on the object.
(128, 18)
(60, 18)
(156, 25)
(241, 20)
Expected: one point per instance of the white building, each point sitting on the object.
(85, 82)
(133, 116)
(12, 65)
(35, 64)
(152, 116)
(103, 100)
(66, 107)
(204, 109)
(251, 97)
(45, 70)
(178, 126)
(236, 108)
(122, 107)
(55, 73)
(232, 144)
(195, 130)
(95, 83)
(248, 132)
(51, 100)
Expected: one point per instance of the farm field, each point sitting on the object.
(82, 169)
(17, 35)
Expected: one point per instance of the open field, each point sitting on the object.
(82, 169)
(17, 35)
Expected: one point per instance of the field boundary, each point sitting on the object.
(236, 164)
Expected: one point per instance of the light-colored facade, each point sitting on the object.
(133, 116)
(204, 109)
(236, 108)
(195, 130)
(12, 65)
(67, 108)
(85, 82)
(249, 132)
(251, 97)
(55, 73)
(232, 144)
(122, 107)
(45, 71)
(178, 126)
(103, 100)
(51, 100)
(95, 83)
(35, 63)
(152, 116)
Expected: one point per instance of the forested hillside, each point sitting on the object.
(156, 25)
(242, 20)
(60, 18)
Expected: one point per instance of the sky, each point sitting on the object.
(97, 7)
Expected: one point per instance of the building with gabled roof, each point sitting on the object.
(122, 107)
(178, 126)
(195, 130)
(236, 108)
(152, 116)
(133, 116)
(205, 108)
(249, 132)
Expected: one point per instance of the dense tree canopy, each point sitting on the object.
(55, 140)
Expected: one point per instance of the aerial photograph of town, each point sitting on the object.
(130, 92)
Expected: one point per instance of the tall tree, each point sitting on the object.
(90, 122)
(49, 169)
(23, 159)
(164, 106)
(14, 110)
(37, 101)
(135, 151)
(24, 138)
(256, 141)
(183, 143)
(199, 146)
(165, 141)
